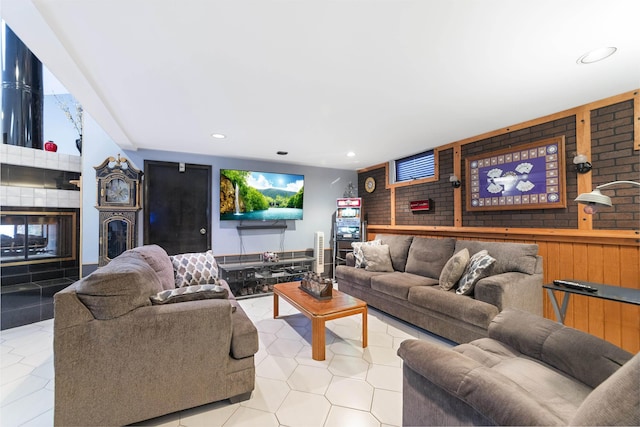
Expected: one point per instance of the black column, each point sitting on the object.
(22, 95)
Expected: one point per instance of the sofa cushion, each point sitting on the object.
(159, 260)
(376, 258)
(453, 269)
(560, 394)
(357, 276)
(518, 257)
(189, 293)
(357, 251)
(398, 248)
(476, 269)
(196, 268)
(464, 308)
(119, 287)
(614, 402)
(397, 284)
(427, 256)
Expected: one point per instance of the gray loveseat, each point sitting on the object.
(119, 359)
(412, 291)
(529, 371)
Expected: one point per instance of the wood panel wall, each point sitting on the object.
(610, 257)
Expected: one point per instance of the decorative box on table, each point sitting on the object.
(316, 286)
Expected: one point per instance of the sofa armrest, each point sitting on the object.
(450, 379)
(512, 290)
(244, 338)
(68, 309)
(578, 354)
(350, 259)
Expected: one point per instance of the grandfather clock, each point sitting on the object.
(118, 205)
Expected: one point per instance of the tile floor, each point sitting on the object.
(352, 387)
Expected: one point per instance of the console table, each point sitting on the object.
(246, 277)
(608, 292)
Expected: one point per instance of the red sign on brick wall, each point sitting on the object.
(419, 205)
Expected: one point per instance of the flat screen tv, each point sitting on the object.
(260, 196)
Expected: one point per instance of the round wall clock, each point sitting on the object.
(370, 184)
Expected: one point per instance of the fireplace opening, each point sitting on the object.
(36, 237)
(38, 257)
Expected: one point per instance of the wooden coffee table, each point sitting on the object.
(319, 311)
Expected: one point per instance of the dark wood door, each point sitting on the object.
(177, 206)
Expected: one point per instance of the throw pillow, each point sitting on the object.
(189, 293)
(454, 269)
(474, 271)
(377, 258)
(357, 250)
(194, 268)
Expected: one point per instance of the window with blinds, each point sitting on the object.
(415, 167)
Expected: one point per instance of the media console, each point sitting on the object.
(249, 275)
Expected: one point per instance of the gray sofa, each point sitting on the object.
(412, 291)
(120, 359)
(529, 371)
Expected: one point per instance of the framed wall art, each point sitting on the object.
(530, 176)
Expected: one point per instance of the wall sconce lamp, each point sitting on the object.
(581, 163)
(455, 182)
(596, 198)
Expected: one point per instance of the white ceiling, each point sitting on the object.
(320, 78)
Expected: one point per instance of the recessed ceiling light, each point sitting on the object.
(351, 154)
(596, 55)
(218, 136)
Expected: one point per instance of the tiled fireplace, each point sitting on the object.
(39, 231)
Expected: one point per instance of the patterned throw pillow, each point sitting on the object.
(195, 268)
(377, 258)
(454, 269)
(189, 293)
(474, 271)
(357, 251)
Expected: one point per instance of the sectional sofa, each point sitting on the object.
(411, 284)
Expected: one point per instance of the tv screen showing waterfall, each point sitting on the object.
(260, 196)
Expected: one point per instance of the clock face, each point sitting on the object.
(117, 191)
(370, 184)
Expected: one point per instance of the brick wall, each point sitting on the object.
(614, 159)
(439, 193)
(376, 206)
(612, 156)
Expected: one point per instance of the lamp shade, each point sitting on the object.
(594, 197)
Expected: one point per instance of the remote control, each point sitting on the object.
(574, 285)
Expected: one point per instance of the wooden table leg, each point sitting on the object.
(317, 339)
(275, 305)
(364, 328)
